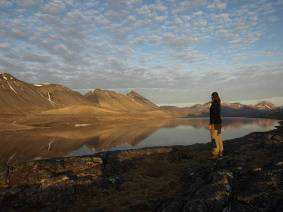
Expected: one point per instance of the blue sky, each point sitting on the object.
(173, 52)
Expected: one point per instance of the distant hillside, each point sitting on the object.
(142, 100)
(18, 97)
(276, 113)
(61, 96)
(265, 105)
(176, 111)
(262, 109)
(196, 110)
(117, 101)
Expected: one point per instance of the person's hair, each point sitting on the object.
(215, 97)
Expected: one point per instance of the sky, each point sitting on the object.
(171, 51)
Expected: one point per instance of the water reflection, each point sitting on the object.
(88, 139)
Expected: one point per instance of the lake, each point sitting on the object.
(86, 139)
(188, 131)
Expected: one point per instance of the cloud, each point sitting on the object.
(5, 3)
(217, 5)
(4, 45)
(191, 56)
(222, 17)
(31, 57)
(177, 40)
(54, 6)
(28, 3)
(195, 45)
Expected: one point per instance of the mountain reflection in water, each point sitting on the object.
(88, 139)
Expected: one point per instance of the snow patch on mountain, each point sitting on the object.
(10, 86)
(49, 99)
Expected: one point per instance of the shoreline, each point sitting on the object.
(173, 178)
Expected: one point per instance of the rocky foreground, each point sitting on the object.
(249, 177)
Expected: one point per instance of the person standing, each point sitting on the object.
(215, 125)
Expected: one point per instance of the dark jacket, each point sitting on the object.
(215, 113)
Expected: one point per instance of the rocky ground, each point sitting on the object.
(249, 177)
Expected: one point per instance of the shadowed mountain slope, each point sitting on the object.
(237, 109)
(262, 109)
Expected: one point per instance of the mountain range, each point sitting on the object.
(18, 97)
(120, 102)
(261, 109)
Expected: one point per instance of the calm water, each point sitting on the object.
(87, 138)
(190, 131)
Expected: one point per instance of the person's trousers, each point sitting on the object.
(216, 137)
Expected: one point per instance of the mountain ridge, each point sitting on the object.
(19, 97)
(112, 99)
(139, 98)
